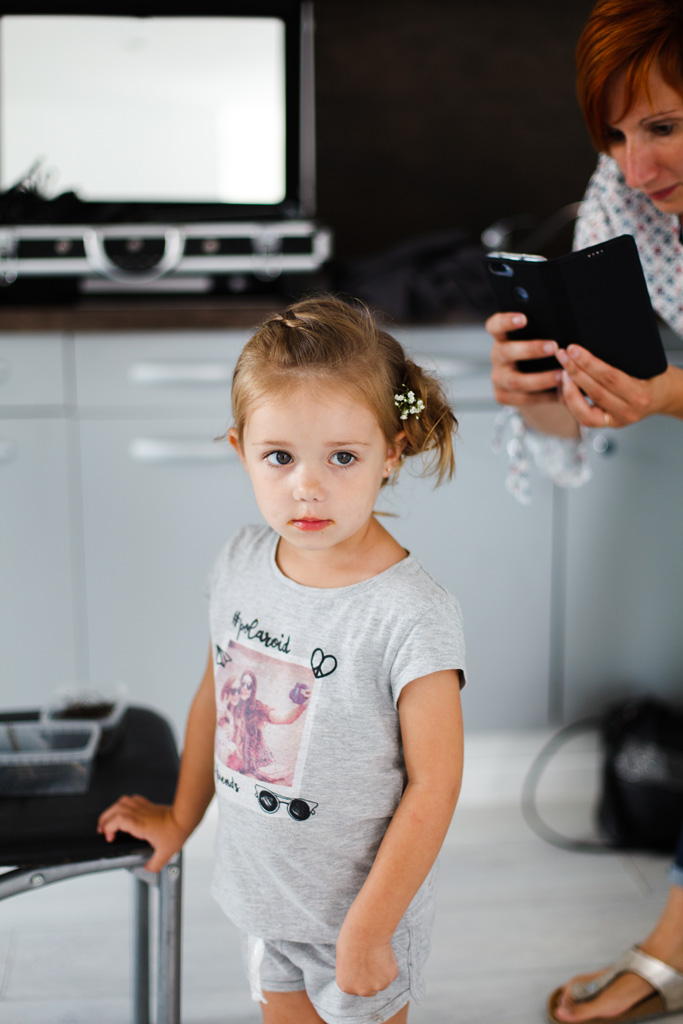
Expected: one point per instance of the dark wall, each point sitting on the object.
(436, 114)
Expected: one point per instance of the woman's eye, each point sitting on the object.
(613, 136)
(343, 458)
(662, 129)
(279, 458)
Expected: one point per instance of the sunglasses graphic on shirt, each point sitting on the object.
(297, 808)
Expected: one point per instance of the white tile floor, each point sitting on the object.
(516, 917)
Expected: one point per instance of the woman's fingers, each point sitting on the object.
(500, 324)
(510, 385)
(617, 399)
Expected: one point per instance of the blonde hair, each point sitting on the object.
(326, 340)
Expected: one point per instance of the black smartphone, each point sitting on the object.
(596, 297)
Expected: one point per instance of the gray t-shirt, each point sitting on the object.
(308, 760)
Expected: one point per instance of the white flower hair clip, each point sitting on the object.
(408, 405)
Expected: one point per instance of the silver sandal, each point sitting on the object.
(665, 980)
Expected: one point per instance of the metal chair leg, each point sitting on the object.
(168, 976)
(141, 952)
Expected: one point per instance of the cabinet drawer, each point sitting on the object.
(458, 355)
(171, 371)
(31, 369)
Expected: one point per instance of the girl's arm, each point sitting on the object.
(167, 828)
(431, 728)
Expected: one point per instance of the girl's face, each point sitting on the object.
(647, 142)
(316, 460)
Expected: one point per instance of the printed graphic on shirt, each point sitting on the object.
(265, 709)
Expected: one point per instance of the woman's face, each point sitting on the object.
(247, 687)
(647, 142)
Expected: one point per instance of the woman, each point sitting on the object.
(630, 86)
(252, 715)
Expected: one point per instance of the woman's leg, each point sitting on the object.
(665, 942)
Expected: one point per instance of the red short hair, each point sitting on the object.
(631, 36)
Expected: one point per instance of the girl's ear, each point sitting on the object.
(234, 441)
(394, 452)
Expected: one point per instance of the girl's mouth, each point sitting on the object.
(311, 524)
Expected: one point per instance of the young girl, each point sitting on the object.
(359, 658)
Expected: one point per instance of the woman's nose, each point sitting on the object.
(640, 168)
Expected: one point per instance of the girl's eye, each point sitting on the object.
(279, 458)
(343, 458)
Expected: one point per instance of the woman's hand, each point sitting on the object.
(618, 400)
(364, 968)
(143, 819)
(510, 386)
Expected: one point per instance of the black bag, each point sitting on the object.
(641, 800)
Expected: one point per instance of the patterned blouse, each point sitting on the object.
(609, 208)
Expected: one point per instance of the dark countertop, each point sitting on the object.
(131, 315)
(178, 314)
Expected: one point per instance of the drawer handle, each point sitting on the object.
(160, 450)
(155, 374)
(452, 366)
(8, 451)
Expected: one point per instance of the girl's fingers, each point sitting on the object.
(121, 816)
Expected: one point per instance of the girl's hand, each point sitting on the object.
(364, 968)
(510, 387)
(141, 818)
(618, 400)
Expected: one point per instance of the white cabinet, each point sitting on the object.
(37, 570)
(624, 571)
(160, 498)
(495, 556)
(492, 553)
(158, 504)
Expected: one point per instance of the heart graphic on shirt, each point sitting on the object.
(322, 664)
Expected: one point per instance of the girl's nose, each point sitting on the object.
(307, 486)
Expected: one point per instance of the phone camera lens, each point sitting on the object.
(521, 293)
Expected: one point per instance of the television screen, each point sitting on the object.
(195, 113)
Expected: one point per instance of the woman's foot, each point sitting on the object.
(627, 990)
(623, 994)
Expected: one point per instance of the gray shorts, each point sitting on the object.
(275, 965)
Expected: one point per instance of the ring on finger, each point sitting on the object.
(607, 419)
